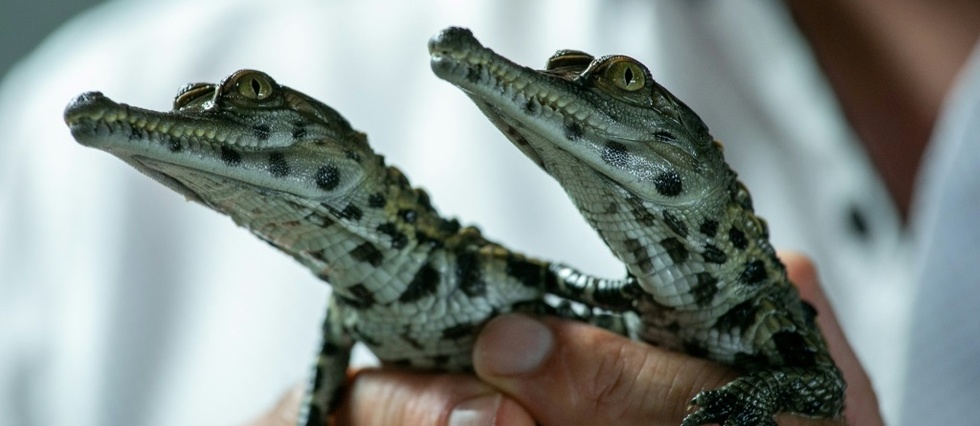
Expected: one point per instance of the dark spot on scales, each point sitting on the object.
(709, 228)
(640, 255)
(713, 254)
(675, 249)
(360, 291)
(737, 317)
(529, 274)
(668, 184)
(754, 273)
(615, 154)
(645, 264)
(640, 212)
(469, 275)
(376, 201)
(423, 284)
(704, 289)
(422, 198)
(362, 297)
(278, 166)
(450, 226)
(367, 252)
(262, 131)
(138, 133)
(573, 131)
(327, 178)
(633, 245)
(230, 157)
(299, 132)
(318, 219)
(532, 107)
(351, 212)
(675, 224)
(473, 73)
(459, 331)
(793, 349)
(351, 155)
(737, 237)
(175, 146)
(398, 239)
(318, 255)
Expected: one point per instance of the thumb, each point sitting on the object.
(568, 373)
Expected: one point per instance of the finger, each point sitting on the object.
(568, 373)
(389, 397)
(285, 411)
(861, 407)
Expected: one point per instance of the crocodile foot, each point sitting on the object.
(730, 406)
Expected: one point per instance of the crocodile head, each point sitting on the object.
(581, 113)
(245, 132)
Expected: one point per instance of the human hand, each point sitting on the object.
(562, 372)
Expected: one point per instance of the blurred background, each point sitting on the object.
(122, 304)
(24, 24)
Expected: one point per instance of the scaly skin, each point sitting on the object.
(412, 286)
(647, 175)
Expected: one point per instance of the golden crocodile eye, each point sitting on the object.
(255, 86)
(626, 75)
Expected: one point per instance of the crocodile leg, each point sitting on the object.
(329, 371)
(602, 293)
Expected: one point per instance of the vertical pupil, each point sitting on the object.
(256, 87)
(628, 76)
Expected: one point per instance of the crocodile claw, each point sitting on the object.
(729, 407)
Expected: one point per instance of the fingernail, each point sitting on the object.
(479, 411)
(513, 345)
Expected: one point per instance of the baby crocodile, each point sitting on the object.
(412, 286)
(645, 172)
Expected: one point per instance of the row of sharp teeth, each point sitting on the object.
(545, 99)
(153, 125)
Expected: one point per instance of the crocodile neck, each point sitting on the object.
(382, 222)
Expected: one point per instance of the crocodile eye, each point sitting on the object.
(573, 59)
(626, 75)
(196, 93)
(255, 86)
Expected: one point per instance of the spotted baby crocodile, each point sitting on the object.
(411, 285)
(646, 174)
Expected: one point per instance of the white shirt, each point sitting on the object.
(122, 304)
